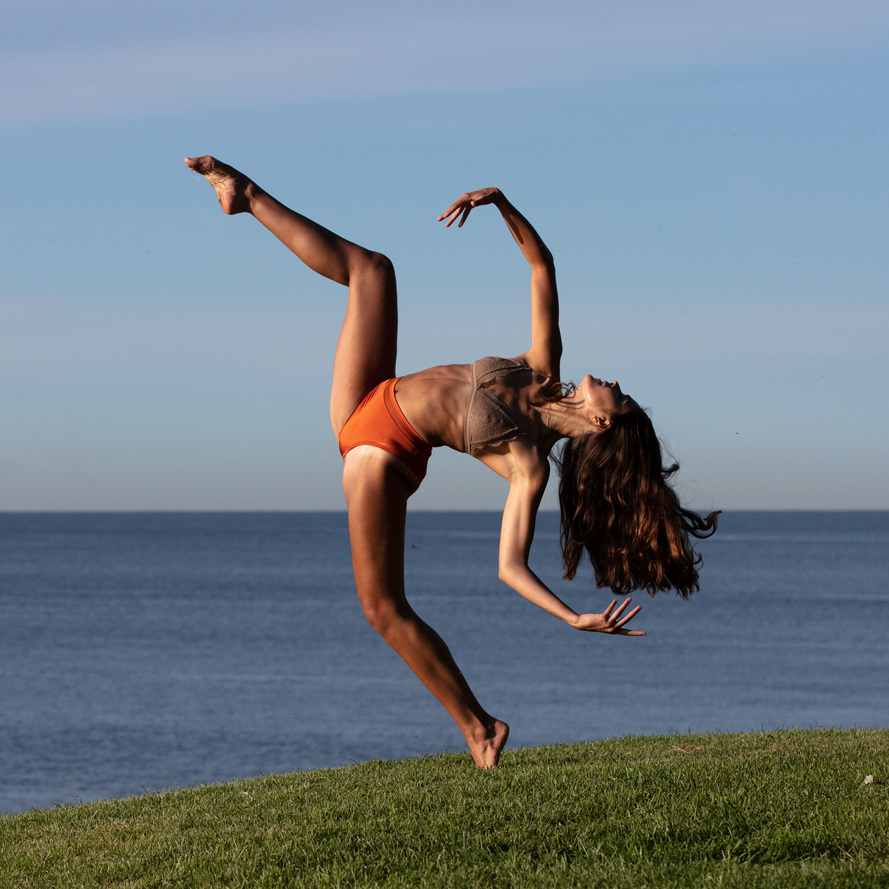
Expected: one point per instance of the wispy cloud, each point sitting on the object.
(122, 66)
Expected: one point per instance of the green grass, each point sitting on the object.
(781, 809)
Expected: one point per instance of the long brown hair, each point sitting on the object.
(617, 503)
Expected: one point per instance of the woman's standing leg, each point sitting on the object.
(376, 493)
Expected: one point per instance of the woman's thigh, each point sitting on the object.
(376, 496)
(367, 345)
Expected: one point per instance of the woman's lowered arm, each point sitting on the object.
(516, 535)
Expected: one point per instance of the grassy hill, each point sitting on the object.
(780, 809)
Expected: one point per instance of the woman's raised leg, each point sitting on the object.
(366, 349)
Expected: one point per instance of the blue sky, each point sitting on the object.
(710, 177)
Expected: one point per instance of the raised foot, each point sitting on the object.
(233, 189)
(486, 752)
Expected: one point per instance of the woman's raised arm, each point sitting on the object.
(546, 340)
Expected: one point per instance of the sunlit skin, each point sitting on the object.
(604, 399)
(377, 484)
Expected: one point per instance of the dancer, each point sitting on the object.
(509, 413)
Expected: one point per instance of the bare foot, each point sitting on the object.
(233, 189)
(486, 752)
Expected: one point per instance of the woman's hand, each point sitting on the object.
(466, 202)
(611, 620)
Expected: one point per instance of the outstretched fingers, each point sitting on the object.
(612, 620)
(464, 204)
(455, 210)
(616, 619)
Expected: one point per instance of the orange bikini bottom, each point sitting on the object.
(380, 422)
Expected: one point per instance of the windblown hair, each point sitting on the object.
(617, 503)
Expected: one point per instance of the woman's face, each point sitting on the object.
(604, 400)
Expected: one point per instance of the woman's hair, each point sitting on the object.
(617, 503)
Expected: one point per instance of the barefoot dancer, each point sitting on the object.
(614, 495)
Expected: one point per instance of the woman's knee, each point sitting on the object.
(378, 612)
(374, 268)
(382, 265)
(381, 612)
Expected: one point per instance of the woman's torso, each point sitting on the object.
(474, 407)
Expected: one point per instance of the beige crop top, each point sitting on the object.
(487, 420)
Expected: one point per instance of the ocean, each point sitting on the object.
(149, 651)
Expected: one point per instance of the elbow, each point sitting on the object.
(507, 573)
(544, 261)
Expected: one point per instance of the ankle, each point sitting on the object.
(255, 196)
(488, 744)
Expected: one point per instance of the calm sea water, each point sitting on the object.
(146, 651)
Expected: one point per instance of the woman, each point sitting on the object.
(507, 413)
